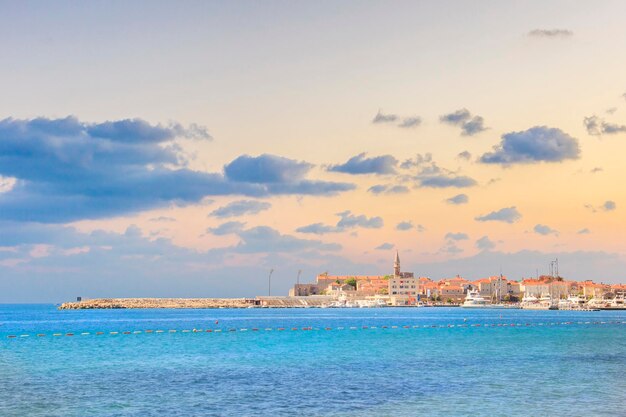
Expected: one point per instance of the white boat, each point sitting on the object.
(534, 303)
(473, 299)
(574, 302)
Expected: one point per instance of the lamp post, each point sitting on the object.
(269, 283)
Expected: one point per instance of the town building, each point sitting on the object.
(403, 287)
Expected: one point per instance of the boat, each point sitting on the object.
(574, 302)
(533, 303)
(475, 300)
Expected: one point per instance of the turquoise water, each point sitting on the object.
(551, 363)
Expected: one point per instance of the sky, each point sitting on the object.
(186, 149)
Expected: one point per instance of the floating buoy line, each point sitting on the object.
(323, 329)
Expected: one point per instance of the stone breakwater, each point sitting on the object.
(261, 302)
(105, 303)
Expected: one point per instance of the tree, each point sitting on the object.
(351, 282)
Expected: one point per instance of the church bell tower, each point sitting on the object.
(396, 265)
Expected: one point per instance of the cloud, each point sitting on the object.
(458, 199)
(544, 230)
(417, 162)
(133, 265)
(68, 170)
(466, 155)
(596, 170)
(240, 208)
(384, 118)
(405, 225)
(430, 175)
(451, 248)
(410, 122)
(575, 265)
(537, 144)
(347, 221)
(596, 126)
(226, 228)
(584, 231)
(163, 219)
(444, 181)
(470, 125)
(484, 243)
(263, 238)
(381, 165)
(317, 229)
(384, 246)
(506, 215)
(609, 205)
(550, 33)
(388, 189)
(266, 169)
(456, 236)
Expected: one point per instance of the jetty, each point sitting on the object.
(135, 303)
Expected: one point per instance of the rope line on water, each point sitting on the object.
(309, 328)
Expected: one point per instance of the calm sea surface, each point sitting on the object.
(550, 364)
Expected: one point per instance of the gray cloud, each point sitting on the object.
(544, 230)
(405, 225)
(266, 169)
(347, 221)
(550, 33)
(470, 125)
(466, 155)
(596, 170)
(317, 229)
(70, 170)
(430, 175)
(384, 118)
(506, 215)
(597, 126)
(381, 165)
(240, 208)
(388, 189)
(609, 205)
(263, 239)
(484, 243)
(584, 231)
(451, 248)
(226, 228)
(537, 144)
(445, 181)
(384, 246)
(456, 236)
(410, 122)
(458, 199)
(163, 219)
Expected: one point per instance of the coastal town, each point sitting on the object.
(405, 289)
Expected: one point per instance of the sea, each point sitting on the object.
(311, 362)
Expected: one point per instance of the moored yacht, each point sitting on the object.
(534, 303)
(473, 299)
